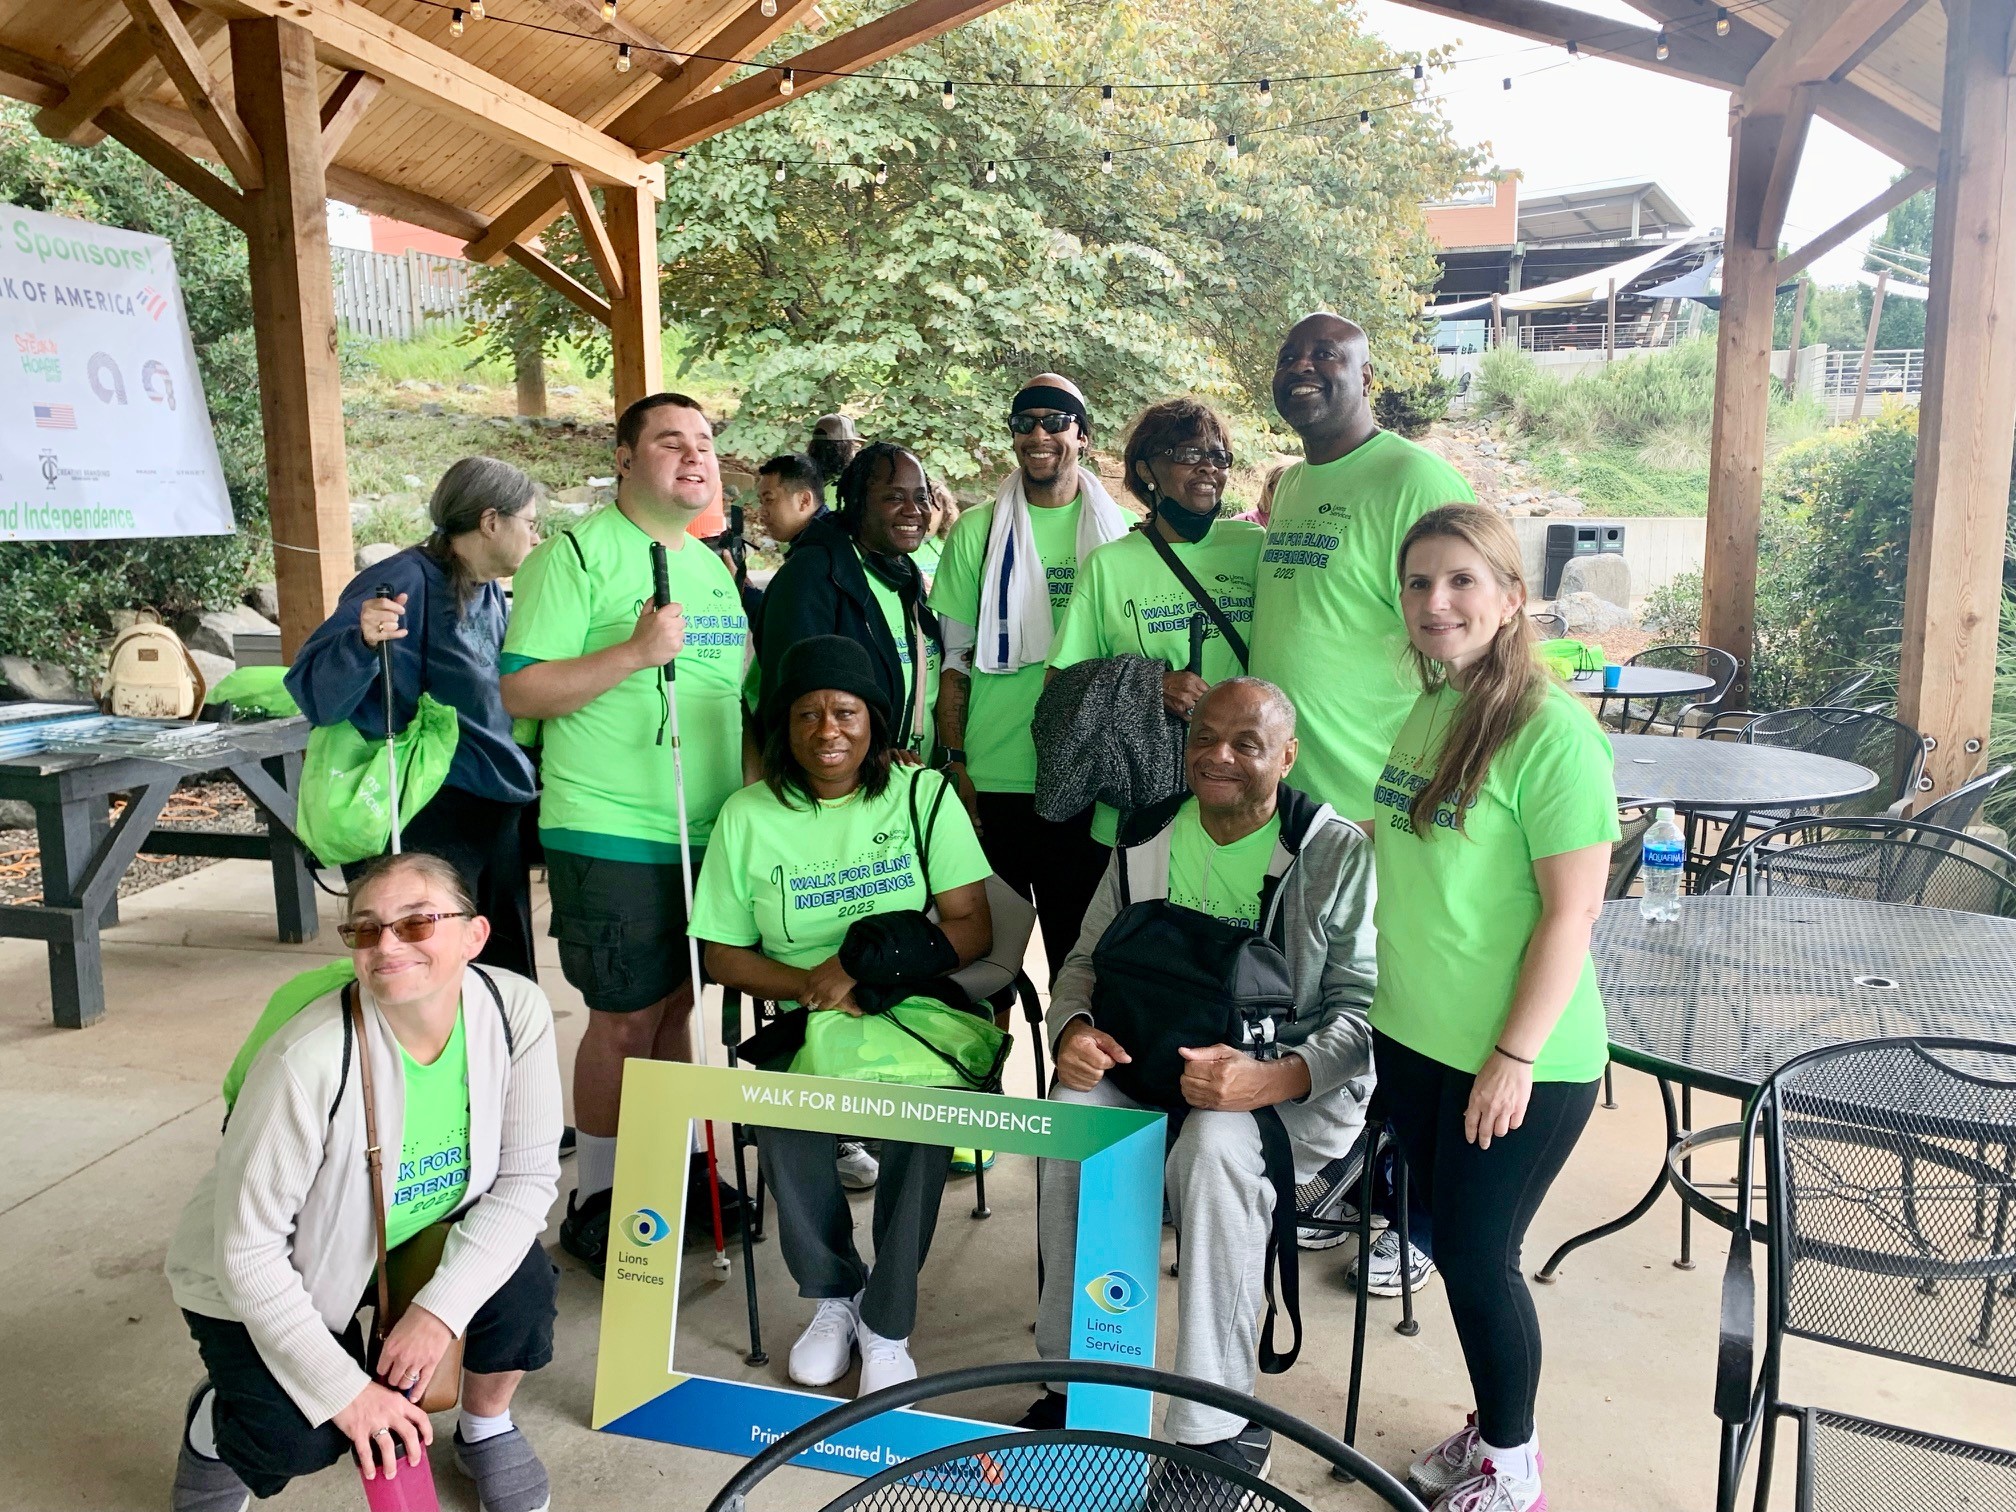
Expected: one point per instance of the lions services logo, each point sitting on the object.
(645, 1227)
(1116, 1292)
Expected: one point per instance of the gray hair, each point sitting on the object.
(1272, 699)
(431, 868)
(469, 490)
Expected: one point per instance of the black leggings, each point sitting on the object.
(1058, 867)
(1482, 1201)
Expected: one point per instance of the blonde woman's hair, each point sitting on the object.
(1506, 682)
(437, 872)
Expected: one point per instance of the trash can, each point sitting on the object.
(1566, 541)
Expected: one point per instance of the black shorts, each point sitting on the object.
(263, 1436)
(621, 927)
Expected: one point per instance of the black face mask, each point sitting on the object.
(1186, 523)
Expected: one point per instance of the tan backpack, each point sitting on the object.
(151, 675)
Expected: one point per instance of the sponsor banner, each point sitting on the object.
(640, 1390)
(104, 432)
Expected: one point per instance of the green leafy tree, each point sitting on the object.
(916, 296)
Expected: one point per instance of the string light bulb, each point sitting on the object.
(1106, 161)
(623, 58)
(455, 23)
(1364, 122)
(769, 7)
(678, 161)
(786, 82)
(1266, 89)
(1105, 95)
(1507, 83)
(990, 170)
(946, 97)
(1721, 20)
(1420, 73)
(475, 10)
(608, 10)
(1231, 146)
(1662, 49)
(780, 170)
(1574, 50)
(881, 173)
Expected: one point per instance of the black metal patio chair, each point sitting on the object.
(1061, 1469)
(1663, 716)
(1548, 626)
(1890, 1175)
(1879, 861)
(1962, 806)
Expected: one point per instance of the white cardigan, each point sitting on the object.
(279, 1235)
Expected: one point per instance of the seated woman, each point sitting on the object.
(780, 916)
(276, 1252)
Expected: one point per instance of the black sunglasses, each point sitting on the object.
(412, 929)
(1053, 425)
(1190, 456)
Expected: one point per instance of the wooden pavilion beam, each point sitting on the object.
(1793, 263)
(345, 107)
(1967, 412)
(815, 68)
(1821, 40)
(181, 55)
(158, 152)
(636, 348)
(1794, 118)
(594, 234)
(351, 36)
(105, 78)
(28, 78)
(560, 282)
(273, 71)
(1691, 55)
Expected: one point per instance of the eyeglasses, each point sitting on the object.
(410, 930)
(1053, 425)
(1190, 456)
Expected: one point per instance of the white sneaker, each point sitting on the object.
(1384, 1277)
(884, 1362)
(858, 1169)
(826, 1348)
(1436, 1471)
(1492, 1490)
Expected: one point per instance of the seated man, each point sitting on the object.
(1240, 837)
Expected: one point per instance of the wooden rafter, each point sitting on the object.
(29, 78)
(345, 107)
(594, 233)
(351, 36)
(1690, 55)
(158, 152)
(539, 204)
(1797, 116)
(1821, 39)
(816, 67)
(100, 82)
(559, 281)
(1798, 261)
(183, 59)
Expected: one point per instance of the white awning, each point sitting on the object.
(1584, 288)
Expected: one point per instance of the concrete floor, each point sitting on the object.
(106, 1131)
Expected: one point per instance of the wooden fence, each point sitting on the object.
(392, 295)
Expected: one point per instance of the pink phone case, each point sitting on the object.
(411, 1490)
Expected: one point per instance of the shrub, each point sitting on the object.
(1410, 408)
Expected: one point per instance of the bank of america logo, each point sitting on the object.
(55, 417)
(153, 302)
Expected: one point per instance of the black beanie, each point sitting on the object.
(825, 661)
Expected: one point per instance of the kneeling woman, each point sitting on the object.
(1491, 842)
(780, 916)
(276, 1253)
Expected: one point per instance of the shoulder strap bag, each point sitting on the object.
(1203, 600)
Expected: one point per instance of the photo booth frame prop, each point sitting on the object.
(639, 1390)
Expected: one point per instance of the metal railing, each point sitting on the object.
(1894, 373)
(1592, 335)
(392, 295)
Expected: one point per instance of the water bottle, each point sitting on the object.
(1665, 861)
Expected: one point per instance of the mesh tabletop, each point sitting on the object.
(1729, 774)
(1642, 682)
(1738, 986)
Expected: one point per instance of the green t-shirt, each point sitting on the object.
(927, 556)
(1000, 752)
(1223, 881)
(434, 1145)
(607, 767)
(1326, 607)
(1128, 602)
(892, 615)
(789, 880)
(1456, 910)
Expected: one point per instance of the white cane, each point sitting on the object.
(386, 591)
(661, 588)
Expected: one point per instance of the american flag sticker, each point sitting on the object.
(55, 417)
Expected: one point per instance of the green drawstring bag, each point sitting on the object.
(918, 1043)
(293, 995)
(1567, 657)
(345, 809)
(256, 690)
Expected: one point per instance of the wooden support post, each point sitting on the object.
(294, 323)
(1497, 321)
(1869, 344)
(1967, 413)
(634, 336)
(1610, 324)
(1792, 343)
(1742, 401)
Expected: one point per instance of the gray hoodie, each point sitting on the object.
(1317, 906)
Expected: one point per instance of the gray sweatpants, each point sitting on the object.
(816, 1226)
(1216, 1180)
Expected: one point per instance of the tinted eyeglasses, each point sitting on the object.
(411, 930)
(1191, 456)
(1053, 425)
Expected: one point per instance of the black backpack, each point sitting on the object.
(1165, 976)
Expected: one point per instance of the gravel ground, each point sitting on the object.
(196, 805)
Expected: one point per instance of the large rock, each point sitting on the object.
(214, 668)
(22, 678)
(1604, 574)
(1585, 614)
(14, 814)
(264, 599)
(217, 630)
(376, 552)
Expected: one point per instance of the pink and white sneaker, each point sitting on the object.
(1448, 1464)
(1492, 1490)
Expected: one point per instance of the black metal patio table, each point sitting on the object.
(84, 854)
(1653, 686)
(1737, 986)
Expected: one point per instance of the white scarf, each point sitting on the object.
(1015, 621)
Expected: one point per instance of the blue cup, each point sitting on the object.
(1613, 674)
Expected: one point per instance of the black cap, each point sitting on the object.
(825, 661)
